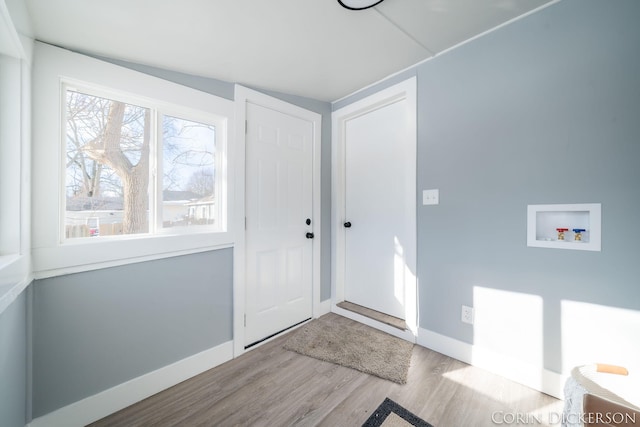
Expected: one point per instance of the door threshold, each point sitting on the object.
(247, 347)
(387, 319)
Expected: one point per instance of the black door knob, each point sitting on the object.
(308, 221)
(309, 235)
(347, 224)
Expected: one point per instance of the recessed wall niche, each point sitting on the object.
(570, 226)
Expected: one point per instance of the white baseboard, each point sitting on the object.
(119, 397)
(536, 377)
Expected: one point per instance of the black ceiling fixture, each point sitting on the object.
(359, 4)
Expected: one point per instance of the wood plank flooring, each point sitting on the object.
(270, 386)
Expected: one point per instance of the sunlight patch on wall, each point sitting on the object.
(399, 271)
(405, 287)
(509, 323)
(593, 333)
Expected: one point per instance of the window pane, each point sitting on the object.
(107, 167)
(188, 191)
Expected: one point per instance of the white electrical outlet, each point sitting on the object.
(430, 197)
(467, 315)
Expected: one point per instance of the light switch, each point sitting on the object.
(430, 197)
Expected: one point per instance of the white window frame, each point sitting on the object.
(14, 165)
(158, 112)
(54, 67)
(15, 147)
(10, 156)
(221, 171)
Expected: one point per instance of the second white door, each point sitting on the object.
(379, 146)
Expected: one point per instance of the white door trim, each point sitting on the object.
(243, 96)
(405, 90)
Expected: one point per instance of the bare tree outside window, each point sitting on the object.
(188, 173)
(108, 146)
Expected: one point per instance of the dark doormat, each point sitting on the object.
(390, 414)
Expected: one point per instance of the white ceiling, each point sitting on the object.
(311, 48)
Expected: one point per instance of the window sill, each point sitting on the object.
(90, 254)
(14, 278)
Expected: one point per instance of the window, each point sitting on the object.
(133, 168)
(11, 140)
(125, 167)
(189, 174)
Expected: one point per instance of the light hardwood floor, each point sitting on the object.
(270, 386)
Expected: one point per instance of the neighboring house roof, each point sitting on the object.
(83, 203)
(171, 195)
(209, 200)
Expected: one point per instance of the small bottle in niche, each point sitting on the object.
(578, 234)
(561, 232)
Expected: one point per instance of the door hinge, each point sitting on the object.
(246, 127)
(245, 222)
(245, 320)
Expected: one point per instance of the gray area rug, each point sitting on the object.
(354, 345)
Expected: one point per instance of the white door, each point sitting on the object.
(378, 144)
(279, 222)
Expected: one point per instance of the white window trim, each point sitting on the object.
(11, 141)
(14, 169)
(52, 67)
(15, 125)
(159, 110)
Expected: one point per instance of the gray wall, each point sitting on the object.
(545, 110)
(13, 364)
(98, 329)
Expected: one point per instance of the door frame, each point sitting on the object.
(405, 90)
(243, 96)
